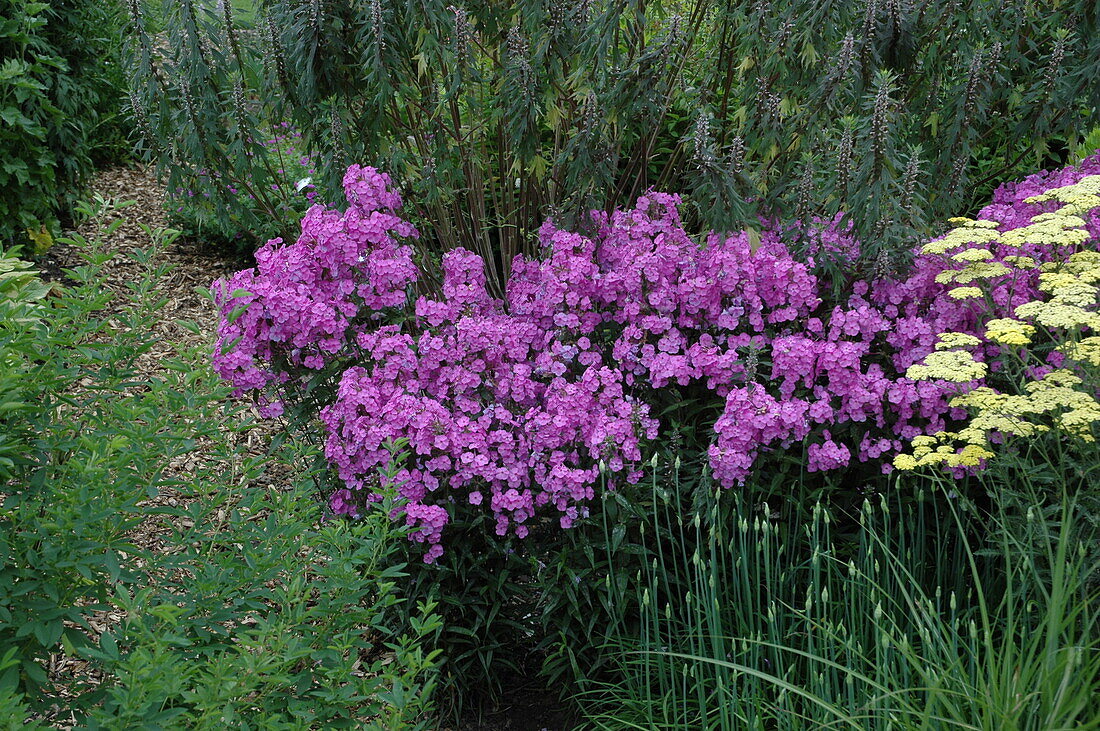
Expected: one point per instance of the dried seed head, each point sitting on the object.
(973, 83)
(701, 140)
(226, 9)
(316, 16)
(378, 24)
(141, 119)
(463, 32)
(590, 114)
(804, 200)
(844, 156)
(737, 154)
(582, 11)
(882, 268)
(240, 108)
(752, 362)
(783, 35)
(275, 58)
(994, 59)
(517, 53)
(909, 180)
(673, 35)
(188, 102)
(137, 13)
(336, 133)
(1054, 65)
(842, 63)
(958, 170)
(870, 22)
(558, 16)
(880, 118)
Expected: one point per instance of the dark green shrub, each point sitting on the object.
(60, 108)
(496, 115)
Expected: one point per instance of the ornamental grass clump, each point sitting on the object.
(515, 407)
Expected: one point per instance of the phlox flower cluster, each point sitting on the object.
(519, 407)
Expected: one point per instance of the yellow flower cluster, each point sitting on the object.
(947, 455)
(1082, 196)
(1074, 294)
(1060, 400)
(957, 366)
(969, 242)
(1006, 331)
(1085, 351)
(1071, 410)
(965, 293)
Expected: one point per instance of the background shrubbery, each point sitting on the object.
(494, 116)
(61, 90)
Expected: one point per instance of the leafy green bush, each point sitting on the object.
(494, 115)
(60, 108)
(20, 310)
(252, 614)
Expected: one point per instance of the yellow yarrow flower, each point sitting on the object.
(959, 237)
(964, 293)
(950, 340)
(972, 255)
(1006, 331)
(957, 366)
(976, 270)
(1049, 230)
(1085, 351)
(1058, 314)
(1059, 401)
(1020, 262)
(905, 462)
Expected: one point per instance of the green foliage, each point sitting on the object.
(1087, 146)
(493, 116)
(199, 208)
(60, 109)
(271, 623)
(21, 293)
(251, 613)
(483, 596)
(912, 617)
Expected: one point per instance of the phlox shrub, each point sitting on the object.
(520, 406)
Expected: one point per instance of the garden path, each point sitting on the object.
(192, 266)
